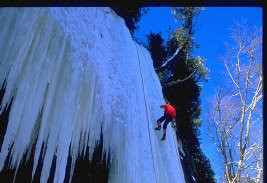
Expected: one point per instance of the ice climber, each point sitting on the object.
(169, 115)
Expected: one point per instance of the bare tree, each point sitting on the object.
(235, 117)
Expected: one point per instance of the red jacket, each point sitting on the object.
(168, 109)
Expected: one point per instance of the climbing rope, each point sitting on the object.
(159, 96)
(146, 110)
(152, 77)
(156, 87)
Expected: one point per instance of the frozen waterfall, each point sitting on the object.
(72, 73)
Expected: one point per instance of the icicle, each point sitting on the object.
(69, 83)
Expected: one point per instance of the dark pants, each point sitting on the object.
(167, 118)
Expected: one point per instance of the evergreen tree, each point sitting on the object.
(156, 48)
(184, 96)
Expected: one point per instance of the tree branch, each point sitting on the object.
(178, 80)
(168, 60)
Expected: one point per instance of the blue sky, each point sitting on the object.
(212, 31)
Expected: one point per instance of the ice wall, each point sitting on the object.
(73, 72)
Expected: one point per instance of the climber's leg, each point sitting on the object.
(168, 119)
(159, 121)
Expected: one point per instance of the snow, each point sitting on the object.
(73, 72)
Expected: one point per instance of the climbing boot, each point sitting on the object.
(164, 137)
(158, 128)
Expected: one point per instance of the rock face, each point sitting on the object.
(70, 75)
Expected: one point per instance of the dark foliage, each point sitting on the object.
(185, 98)
(156, 48)
(131, 16)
